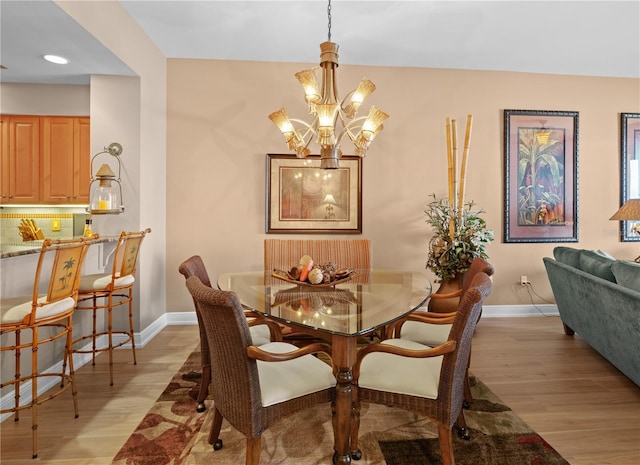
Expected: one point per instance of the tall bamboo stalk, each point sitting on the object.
(454, 164)
(449, 162)
(463, 168)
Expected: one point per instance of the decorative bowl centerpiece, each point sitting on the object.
(307, 273)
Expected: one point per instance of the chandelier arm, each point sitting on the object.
(347, 99)
(309, 129)
(351, 126)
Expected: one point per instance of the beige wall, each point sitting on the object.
(43, 99)
(218, 134)
(141, 109)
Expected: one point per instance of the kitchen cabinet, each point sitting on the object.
(20, 145)
(45, 159)
(65, 160)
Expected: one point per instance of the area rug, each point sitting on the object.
(173, 433)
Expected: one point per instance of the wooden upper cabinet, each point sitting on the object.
(4, 161)
(57, 159)
(20, 159)
(82, 160)
(46, 159)
(65, 159)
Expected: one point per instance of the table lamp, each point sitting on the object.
(329, 201)
(630, 211)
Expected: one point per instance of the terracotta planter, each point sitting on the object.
(438, 303)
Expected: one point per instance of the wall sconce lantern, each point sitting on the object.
(105, 190)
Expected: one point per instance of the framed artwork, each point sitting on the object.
(302, 198)
(541, 176)
(629, 171)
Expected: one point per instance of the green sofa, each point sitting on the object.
(598, 297)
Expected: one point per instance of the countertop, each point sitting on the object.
(16, 249)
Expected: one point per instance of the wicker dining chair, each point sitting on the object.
(256, 386)
(47, 317)
(283, 254)
(262, 330)
(425, 380)
(106, 291)
(413, 326)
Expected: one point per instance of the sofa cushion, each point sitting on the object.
(627, 274)
(598, 264)
(567, 255)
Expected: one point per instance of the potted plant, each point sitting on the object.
(460, 234)
(459, 237)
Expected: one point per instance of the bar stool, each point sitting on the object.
(48, 317)
(116, 288)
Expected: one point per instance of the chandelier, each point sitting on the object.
(333, 119)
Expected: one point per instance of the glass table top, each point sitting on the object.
(371, 299)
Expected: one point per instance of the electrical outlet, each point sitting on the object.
(524, 280)
(55, 224)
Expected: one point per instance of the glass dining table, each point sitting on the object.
(341, 314)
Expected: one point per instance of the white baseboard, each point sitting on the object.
(189, 318)
(492, 311)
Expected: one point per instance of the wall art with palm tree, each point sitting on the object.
(541, 167)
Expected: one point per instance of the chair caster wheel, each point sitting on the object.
(201, 407)
(346, 459)
(217, 445)
(356, 455)
(466, 405)
(463, 433)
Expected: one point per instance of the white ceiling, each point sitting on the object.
(594, 38)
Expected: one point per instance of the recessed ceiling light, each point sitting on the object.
(56, 59)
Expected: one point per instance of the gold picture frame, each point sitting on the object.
(302, 198)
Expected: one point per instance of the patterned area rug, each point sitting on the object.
(173, 433)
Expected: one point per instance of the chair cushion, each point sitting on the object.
(96, 282)
(627, 274)
(14, 309)
(425, 333)
(260, 335)
(403, 375)
(281, 381)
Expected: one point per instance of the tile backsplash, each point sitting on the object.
(71, 221)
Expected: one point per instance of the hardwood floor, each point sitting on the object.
(566, 391)
(574, 398)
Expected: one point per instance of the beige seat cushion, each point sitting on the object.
(403, 375)
(425, 333)
(260, 335)
(13, 310)
(96, 282)
(281, 381)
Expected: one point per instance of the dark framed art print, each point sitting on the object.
(541, 176)
(629, 171)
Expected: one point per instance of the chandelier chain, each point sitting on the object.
(329, 17)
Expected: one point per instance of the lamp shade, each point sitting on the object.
(329, 200)
(628, 212)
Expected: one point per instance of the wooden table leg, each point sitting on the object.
(344, 353)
